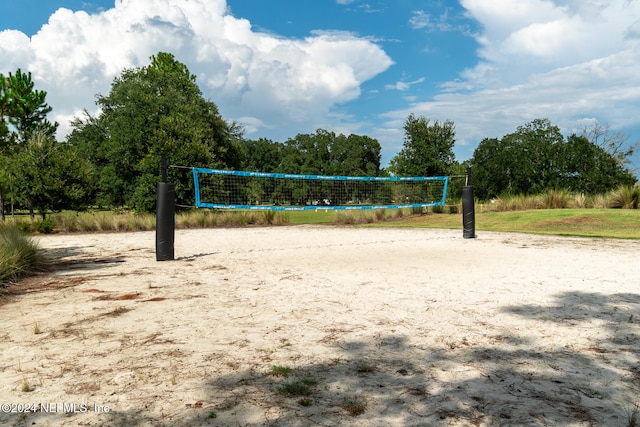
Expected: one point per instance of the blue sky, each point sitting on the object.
(285, 67)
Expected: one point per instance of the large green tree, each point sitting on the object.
(427, 148)
(308, 153)
(492, 166)
(261, 155)
(537, 158)
(355, 155)
(5, 101)
(325, 153)
(613, 142)
(589, 168)
(533, 154)
(153, 110)
(50, 175)
(23, 112)
(29, 107)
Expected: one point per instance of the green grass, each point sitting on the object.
(280, 371)
(608, 223)
(311, 217)
(587, 216)
(354, 406)
(302, 387)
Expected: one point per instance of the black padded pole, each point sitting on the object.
(468, 209)
(163, 167)
(165, 217)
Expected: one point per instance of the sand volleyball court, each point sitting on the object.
(325, 326)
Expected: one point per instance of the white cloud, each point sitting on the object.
(521, 38)
(14, 50)
(633, 31)
(565, 60)
(420, 19)
(403, 86)
(608, 89)
(256, 78)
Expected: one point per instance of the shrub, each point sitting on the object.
(398, 213)
(554, 199)
(45, 226)
(298, 388)
(268, 217)
(437, 209)
(379, 215)
(346, 218)
(417, 211)
(67, 221)
(19, 255)
(625, 198)
(582, 201)
(600, 201)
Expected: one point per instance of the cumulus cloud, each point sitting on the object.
(606, 88)
(565, 60)
(521, 38)
(255, 78)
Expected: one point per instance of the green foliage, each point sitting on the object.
(23, 112)
(261, 155)
(22, 107)
(589, 168)
(536, 159)
(325, 153)
(43, 227)
(47, 175)
(280, 371)
(298, 387)
(355, 406)
(153, 110)
(614, 143)
(427, 148)
(354, 155)
(19, 255)
(5, 105)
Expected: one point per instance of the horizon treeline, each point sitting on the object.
(111, 160)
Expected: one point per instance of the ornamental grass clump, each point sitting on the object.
(555, 199)
(19, 255)
(625, 198)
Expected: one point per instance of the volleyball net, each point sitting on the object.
(229, 189)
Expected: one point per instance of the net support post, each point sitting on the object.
(165, 217)
(468, 209)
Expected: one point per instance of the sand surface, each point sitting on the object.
(329, 326)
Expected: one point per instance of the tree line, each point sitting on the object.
(111, 159)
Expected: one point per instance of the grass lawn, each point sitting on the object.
(608, 223)
(311, 217)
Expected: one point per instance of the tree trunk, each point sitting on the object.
(1, 205)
